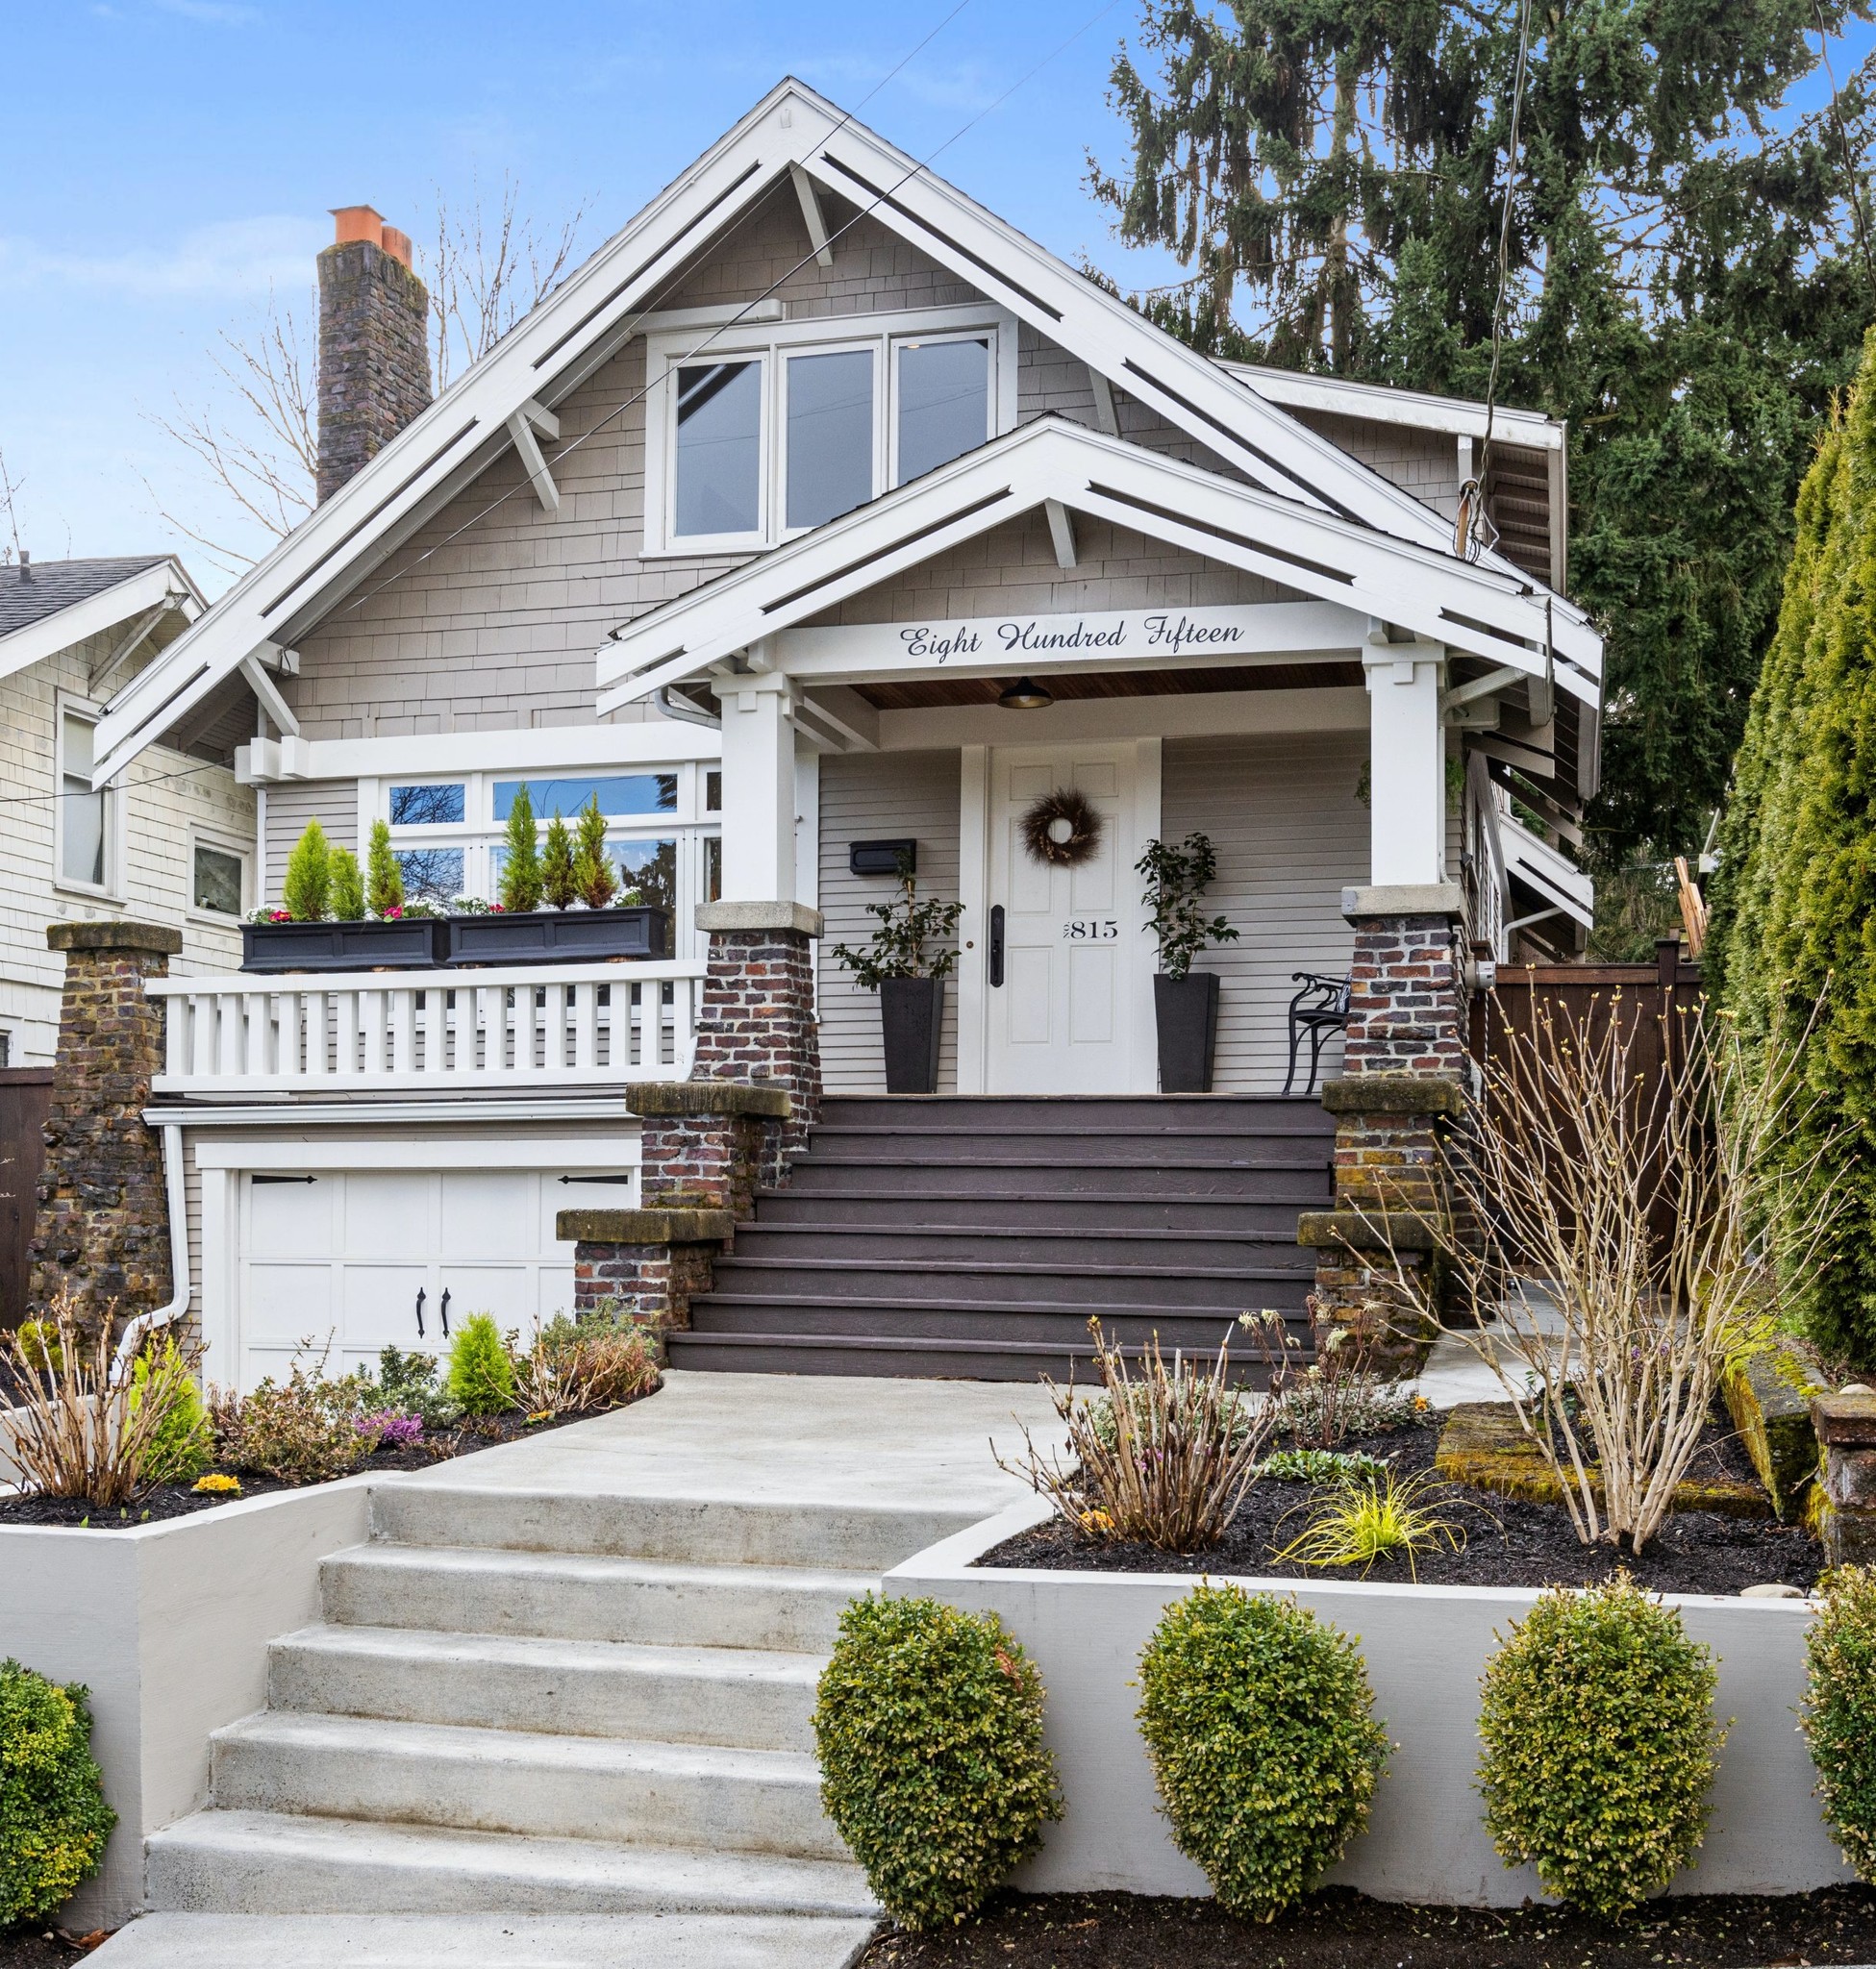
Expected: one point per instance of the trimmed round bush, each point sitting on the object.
(1599, 1736)
(1839, 1711)
(1259, 1720)
(929, 1730)
(53, 1817)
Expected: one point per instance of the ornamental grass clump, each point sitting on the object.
(578, 1367)
(929, 1730)
(1600, 1745)
(53, 1818)
(1839, 1711)
(481, 1372)
(1258, 1717)
(1163, 1456)
(1374, 1517)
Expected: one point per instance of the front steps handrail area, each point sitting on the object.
(975, 1235)
(546, 1702)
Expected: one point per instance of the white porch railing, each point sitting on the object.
(538, 1025)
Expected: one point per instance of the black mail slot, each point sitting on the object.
(881, 857)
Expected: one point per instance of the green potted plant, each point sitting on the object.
(1185, 1005)
(335, 916)
(909, 979)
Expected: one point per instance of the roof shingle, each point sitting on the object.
(57, 585)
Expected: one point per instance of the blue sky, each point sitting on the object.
(165, 162)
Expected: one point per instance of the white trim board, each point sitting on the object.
(284, 1112)
(658, 742)
(1415, 408)
(446, 1151)
(165, 584)
(1222, 714)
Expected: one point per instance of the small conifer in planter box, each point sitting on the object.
(335, 916)
(909, 980)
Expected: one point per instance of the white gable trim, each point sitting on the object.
(1548, 870)
(579, 327)
(164, 586)
(1467, 607)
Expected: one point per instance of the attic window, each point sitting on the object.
(792, 424)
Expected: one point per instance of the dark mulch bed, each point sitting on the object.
(1505, 1542)
(180, 1501)
(1340, 1930)
(44, 1948)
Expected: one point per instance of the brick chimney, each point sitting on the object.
(374, 351)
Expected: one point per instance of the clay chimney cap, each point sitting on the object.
(352, 222)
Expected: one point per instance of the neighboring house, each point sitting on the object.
(169, 840)
(751, 528)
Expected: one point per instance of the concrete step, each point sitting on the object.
(888, 1353)
(485, 1941)
(807, 1202)
(682, 1530)
(760, 1700)
(1033, 1247)
(707, 1796)
(237, 1863)
(583, 1597)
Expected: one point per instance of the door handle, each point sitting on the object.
(443, 1308)
(997, 945)
(421, 1296)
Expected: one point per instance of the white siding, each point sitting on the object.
(874, 796)
(1290, 833)
(332, 803)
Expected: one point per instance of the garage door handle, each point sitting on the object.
(443, 1307)
(420, 1299)
(996, 945)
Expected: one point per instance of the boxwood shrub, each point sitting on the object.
(930, 1734)
(1599, 1744)
(53, 1817)
(1839, 1711)
(1258, 1719)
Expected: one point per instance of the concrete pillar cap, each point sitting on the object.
(795, 916)
(155, 939)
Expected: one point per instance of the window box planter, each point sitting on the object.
(912, 1017)
(1186, 1011)
(411, 944)
(545, 936)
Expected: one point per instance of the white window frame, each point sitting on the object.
(771, 344)
(222, 844)
(66, 703)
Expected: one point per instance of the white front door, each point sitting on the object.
(1063, 1019)
(340, 1257)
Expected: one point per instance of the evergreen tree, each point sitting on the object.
(593, 873)
(1794, 951)
(346, 900)
(1687, 285)
(521, 856)
(306, 888)
(384, 873)
(560, 886)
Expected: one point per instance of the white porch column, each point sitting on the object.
(758, 789)
(1407, 788)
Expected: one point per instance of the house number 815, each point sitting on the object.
(1092, 929)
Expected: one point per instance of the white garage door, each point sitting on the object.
(379, 1257)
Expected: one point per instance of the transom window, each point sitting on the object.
(785, 426)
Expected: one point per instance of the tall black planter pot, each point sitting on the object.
(1186, 1011)
(911, 1016)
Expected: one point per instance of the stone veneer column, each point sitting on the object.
(1405, 1076)
(102, 1232)
(1845, 1427)
(756, 1025)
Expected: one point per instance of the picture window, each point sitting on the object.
(217, 881)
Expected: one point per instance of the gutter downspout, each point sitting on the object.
(686, 710)
(176, 1199)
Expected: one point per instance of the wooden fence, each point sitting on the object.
(25, 1102)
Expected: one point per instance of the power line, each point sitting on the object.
(639, 395)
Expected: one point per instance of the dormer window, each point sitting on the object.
(779, 426)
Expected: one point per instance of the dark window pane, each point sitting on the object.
(944, 403)
(712, 791)
(431, 875)
(651, 867)
(714, 869)
(618, 794)
(719, 448)
(830, 435)
(427, 806)
(217, 884)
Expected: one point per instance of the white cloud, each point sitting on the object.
(231, 258)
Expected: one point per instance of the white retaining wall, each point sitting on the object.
(1426, 1647)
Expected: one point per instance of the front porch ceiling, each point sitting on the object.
(1065, 685)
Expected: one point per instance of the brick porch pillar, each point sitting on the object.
(756, 1025)
(102, 1230)
(1406, 1074)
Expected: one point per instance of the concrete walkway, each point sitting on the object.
(484, 1941)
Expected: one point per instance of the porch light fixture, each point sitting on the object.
(1025, 695)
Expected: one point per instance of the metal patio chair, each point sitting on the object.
(1321, 1008)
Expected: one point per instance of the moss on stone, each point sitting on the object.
(1769, 1400)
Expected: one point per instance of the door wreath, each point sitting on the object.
(1060, 828)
